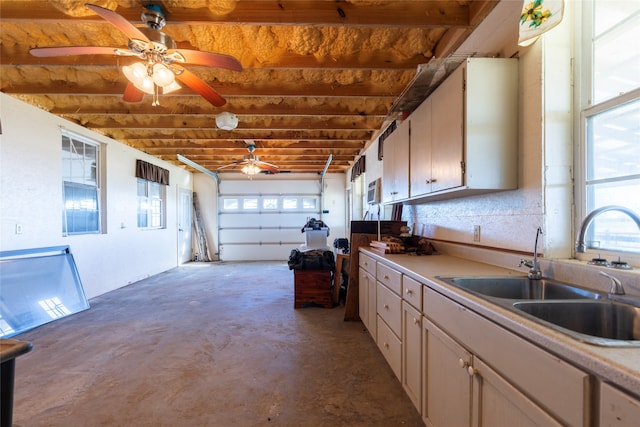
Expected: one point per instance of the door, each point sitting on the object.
(498, 403)
(262, 220)
(446, 398)
(185, 224)
(412, 354)
(447, 113)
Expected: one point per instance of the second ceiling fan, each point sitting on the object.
(251, 164)
(161, 61)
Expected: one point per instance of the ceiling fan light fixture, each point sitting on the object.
(162, 75)
(171, 88)
(250, 169)
(226, 121)
(137, 74)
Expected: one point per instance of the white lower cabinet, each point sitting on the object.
(509, 382)
(461, 390)
(461, 369)
(412, 353)
(447, 384)
(498, 403)
(367, 301)
(617, 408)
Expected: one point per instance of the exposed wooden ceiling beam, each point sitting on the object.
(258, 12)
(247, 123)
(270, 89)
(71, 106)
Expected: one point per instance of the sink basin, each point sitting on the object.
(597, 322)
(520, 288)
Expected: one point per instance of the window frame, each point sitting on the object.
(68, 181)
(150, 213)
(584, 74)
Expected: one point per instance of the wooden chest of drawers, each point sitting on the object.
(313, 287)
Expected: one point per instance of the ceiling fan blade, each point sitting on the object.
(199, 86)
(230, 165)
(132, 93)
(72, 50)
(119, 22)
(209, 59)
(268, 166)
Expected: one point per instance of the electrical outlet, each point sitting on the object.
(476, 233)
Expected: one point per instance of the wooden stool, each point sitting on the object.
(313, 287)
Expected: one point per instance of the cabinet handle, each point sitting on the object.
(385, 277)
(463, 363)
(409, 292)
(434, 180)
(472, 371)
(386, 345)
(386, 306)
(416, 321)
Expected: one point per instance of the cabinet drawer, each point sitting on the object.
(390, 277)
(389, 307)
(412, 292)
(391, 347)
(528, 367)
(367, 263)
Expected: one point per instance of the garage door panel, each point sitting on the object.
(251, 253)
(261, 236)
(265, 219)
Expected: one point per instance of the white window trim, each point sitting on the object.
(100, 165)
(584, 105)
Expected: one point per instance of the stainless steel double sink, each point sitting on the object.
(583, 314)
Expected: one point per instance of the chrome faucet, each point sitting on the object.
(581, 247)
(534, 267)
(616, 285)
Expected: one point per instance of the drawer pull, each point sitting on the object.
(409, 291)
(416, 321)
(386, 306)
(472, 371)
(385, 277)
(463, 363)
(386, 345)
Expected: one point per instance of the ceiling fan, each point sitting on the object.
(160, 63)
(251, 164)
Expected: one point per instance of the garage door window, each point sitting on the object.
(270, 203)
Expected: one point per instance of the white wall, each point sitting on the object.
(31, 195)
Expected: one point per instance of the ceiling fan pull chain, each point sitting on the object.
(156, 100)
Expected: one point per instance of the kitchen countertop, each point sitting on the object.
(617, 365)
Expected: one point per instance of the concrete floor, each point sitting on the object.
(216, 344)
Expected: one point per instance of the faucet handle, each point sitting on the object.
(616, 285)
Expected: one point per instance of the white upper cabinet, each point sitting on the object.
(464, 137)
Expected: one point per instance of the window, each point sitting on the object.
(261, 203)
(80, 189)
(611, 121)
(151, 204)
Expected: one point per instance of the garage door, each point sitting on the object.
(262, 220)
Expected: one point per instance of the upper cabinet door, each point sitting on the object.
(447, 120)
(420, 150)
(395, 173)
